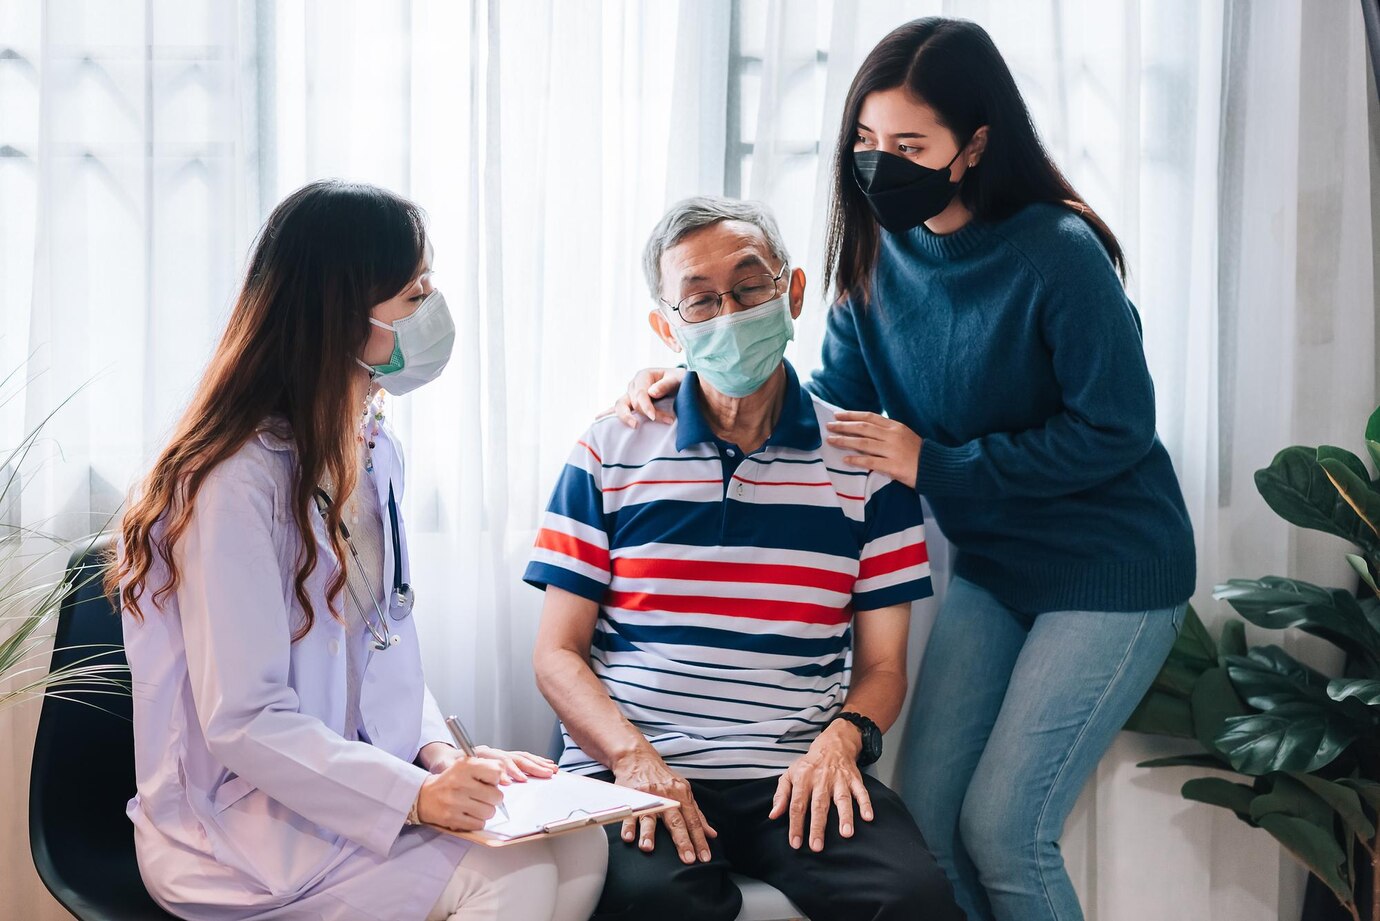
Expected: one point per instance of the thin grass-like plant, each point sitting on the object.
(31, 597)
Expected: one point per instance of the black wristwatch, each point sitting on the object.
(871, 736)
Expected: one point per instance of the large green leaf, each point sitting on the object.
(1373, 436)
(1213, 703)
(1267, 676)
(1345, 458)
(1232, 642)
(1292, 737)
(1370, 609)
(1277, 604)
(1315, 848)
(1288, 796)
(1203, 760)
(1297, 488)
(1354, 487)
(1366, 690)
(1177, 680)
(1194, 642)
(1216, 791)
(1343, 800)
(1368, 790)
(1364, 570)
(1162, 714)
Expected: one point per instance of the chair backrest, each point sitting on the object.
(83, 766)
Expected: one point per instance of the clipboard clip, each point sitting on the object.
(579, 818)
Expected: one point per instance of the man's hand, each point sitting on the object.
(645, 771)
(827, 773)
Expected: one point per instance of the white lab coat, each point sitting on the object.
(250, 802)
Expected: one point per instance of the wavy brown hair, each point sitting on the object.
(328, 254)
(952, 66)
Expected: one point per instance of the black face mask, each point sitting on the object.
(903, 195)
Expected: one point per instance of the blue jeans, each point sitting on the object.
(1011, 714)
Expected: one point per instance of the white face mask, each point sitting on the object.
(422, 343)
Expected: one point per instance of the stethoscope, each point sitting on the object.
(403, 596)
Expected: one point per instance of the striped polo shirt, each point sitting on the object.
(726, 584)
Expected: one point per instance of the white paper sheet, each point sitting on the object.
(537, 803)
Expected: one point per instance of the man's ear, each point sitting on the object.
(662, 327)
(797, 293)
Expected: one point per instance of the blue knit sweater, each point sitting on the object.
(1012, 349)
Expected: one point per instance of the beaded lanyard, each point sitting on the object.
(373, 418)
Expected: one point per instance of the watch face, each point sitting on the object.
(872, 743)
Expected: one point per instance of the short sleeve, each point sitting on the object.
(572, 547)
(894, 566)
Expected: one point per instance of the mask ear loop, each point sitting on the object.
(375, 373)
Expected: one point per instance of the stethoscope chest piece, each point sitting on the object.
(403, 599)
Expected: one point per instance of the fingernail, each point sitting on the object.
(795, 842)
(816, 845)
(704, 855)
(846, 830)
(646, 844)
(687, 856)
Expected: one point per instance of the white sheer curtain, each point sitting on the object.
(143, 141)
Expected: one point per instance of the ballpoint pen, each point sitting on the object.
(462, 740)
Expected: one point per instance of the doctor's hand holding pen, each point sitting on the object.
(463, 793)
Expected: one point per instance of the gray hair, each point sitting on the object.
(691, 214)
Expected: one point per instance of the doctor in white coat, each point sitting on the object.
(289, 756)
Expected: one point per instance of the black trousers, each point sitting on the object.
(883, 873)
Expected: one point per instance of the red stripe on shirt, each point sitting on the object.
(707, 571)
(573, 547)
(593, 452)
(655, 483)
(751, 608)
(902, 558)
(779, 483)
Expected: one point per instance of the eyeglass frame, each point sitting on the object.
(719, 295)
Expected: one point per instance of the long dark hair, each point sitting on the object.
(329, 253)
(953, 67)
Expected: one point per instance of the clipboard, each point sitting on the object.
(574, 819)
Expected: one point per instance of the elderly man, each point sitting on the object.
(726, 611)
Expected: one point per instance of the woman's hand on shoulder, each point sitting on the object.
(878, 443)
(639, 403)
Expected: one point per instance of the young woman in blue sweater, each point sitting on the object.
(981, 308)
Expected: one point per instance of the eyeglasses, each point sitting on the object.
(753, 291)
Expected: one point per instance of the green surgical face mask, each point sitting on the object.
(736, 353)
(395, 361)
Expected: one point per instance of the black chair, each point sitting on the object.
(83, 768)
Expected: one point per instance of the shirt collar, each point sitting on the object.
(797, 428)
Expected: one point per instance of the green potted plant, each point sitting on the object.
(30, 599)
(1304, 748)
